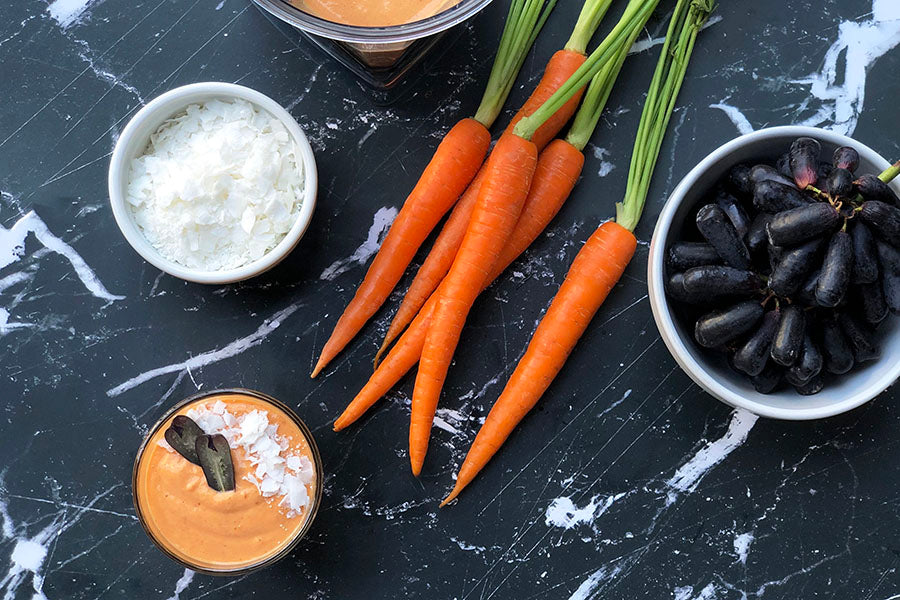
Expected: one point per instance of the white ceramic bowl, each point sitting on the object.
(133, 142)
(711, 372)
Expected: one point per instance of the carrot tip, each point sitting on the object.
(416, 466)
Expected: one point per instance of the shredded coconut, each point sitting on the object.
(278, 470)
(218, 185)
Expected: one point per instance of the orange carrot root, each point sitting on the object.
(454, 164)
(595, 271)
(506, 183)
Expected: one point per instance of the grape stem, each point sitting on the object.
(891, 172)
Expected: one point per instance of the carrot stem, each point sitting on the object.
(689, 17)
(595, 97)
(523, 23)
(588, 21)
(636, 14)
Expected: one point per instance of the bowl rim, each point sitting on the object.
(663, 316)
(358, 34)
(164, 106)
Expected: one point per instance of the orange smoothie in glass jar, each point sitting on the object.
(373, 13)
(277, 485)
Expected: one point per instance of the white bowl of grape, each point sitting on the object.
(774, 273)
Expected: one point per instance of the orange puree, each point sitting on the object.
(210, 529)
(373, 13)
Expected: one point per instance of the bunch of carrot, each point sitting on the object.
(507, 203)
(455, 163)
(601, 261)
(488, 241)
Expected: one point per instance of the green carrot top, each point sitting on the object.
(636, 14)
(523, 23)
(688, 19)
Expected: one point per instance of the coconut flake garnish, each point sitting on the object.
(278, 471)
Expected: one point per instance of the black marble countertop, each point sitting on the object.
(628, 481)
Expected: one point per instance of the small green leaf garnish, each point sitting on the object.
(182, 435)
(215, 460)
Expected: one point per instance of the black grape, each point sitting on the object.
(835, 348)
(734, 211)
(716, 281)
(889, 259)
(795, 226)
(751, 358)
(783, 166)
(806, 295)
(813, 386)
(773, 197)
(794, 266)
(722, 326)
(883, 219)
(761, 173)
(836, 267)
(839, 183)
(865, 256)
(757, 238)
(804, 159)
(861, 339)
(870, 297)
(767, 381)
(685, 255)
(788, 342)
(739, 178)
(872, 188)
(808, 365)
(845, 157)
(715, 226)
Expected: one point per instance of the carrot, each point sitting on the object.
(436, 264)
(498, 207)
(594, 272)
(559, 68)
(506, 182)
(601, 261)
(454, 164)
(557, 171)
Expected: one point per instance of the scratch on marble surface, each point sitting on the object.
(382, 220)
(234, 348)
(645, 44)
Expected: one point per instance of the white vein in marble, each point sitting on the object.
(380, 223)
(68, 12)
(230, 350)
(12, 249)
(689, 475)
(840, 85)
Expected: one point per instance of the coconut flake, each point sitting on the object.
(218, 186)
(279, 470)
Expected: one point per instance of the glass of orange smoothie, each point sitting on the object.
(260, 515)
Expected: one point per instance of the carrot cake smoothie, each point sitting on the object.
(226, 482)
(373, 13)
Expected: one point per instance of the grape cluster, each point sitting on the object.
(792, 268)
